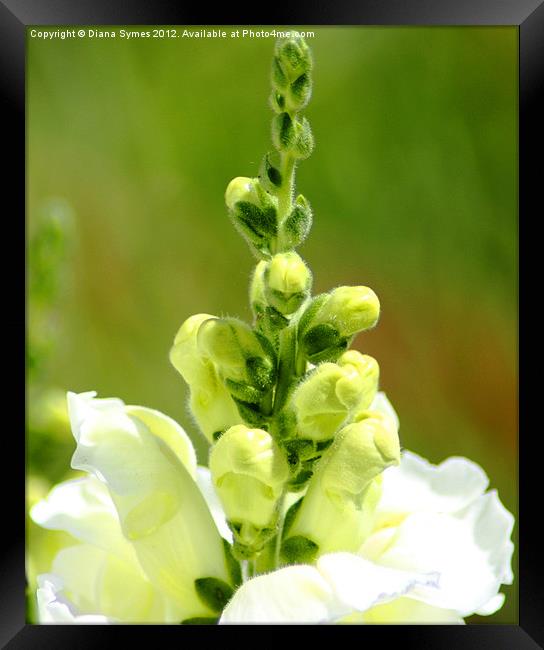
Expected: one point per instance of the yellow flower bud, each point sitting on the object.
(338, 509)
(350, 309)
(254, 213)
(332, 392)
(210, 402)
(249, 471)
(184, 355)
(287, 282)
(239, 355)
(362, 374)
(241, 188)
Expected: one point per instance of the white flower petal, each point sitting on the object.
(492, 605)
(294, 594)
(170, 432)
(160, 508)
(96, 581)
(471, 551)
(204, 482)
(358, 584)
(84, 509)
(492, 526)
(406, 610)
(340, 584)
(54, 607)
(417, 485)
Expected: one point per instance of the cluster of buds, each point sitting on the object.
(284, 402)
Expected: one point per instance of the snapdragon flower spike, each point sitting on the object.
(304, 459)
(249, 472)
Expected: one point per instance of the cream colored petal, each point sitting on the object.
(295, 594)
(340, 584)
(84, 509)
(204, 482)
(418, 486)
(359, 584)
(170, 432)
(54, 607)
(160, 508)
(471, 551)
(96, 581)
(407, 611)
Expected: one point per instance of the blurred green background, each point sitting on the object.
(414, 188)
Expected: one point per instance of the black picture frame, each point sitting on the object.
(15, 16)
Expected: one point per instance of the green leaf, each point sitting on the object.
(299, 550)
(214, 593)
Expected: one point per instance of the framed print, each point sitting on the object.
(271, 343)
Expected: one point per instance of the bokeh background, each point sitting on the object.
(414, 188)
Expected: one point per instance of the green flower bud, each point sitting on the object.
(279, 78)
(283, 132)
(269, 172)
(292, 136)
(277, 102)
(331, 394)
(350, 309)
(253, 212)
(287, 282)
(338, 509)
(209, 402)
(299, 92)
(294, 57)
(303, 139)
(240, 355)
(296, 226)
(249, 472)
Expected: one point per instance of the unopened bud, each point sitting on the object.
(351, 309)
(303, 139)
(338, 509)
(361, 380)
(332, 392)
(253, 211)
(249, 471)
(294, 56)
(240, 356)
(269, 172)
(283, 132)
(297, 225)
(287, 282)
(210, 403)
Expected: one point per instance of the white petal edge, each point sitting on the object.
(471, 550)
(294, 594)
(53, 607)
(83, 508)
(419, 486)
(340, 584)
(204, 482)
(170, 432)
